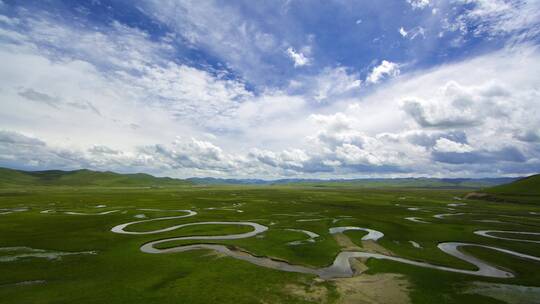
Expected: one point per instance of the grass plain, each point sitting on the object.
(120, 273)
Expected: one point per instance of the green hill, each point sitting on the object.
(525, 186)
(80, 178)
(523, 190)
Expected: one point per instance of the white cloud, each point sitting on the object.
(370, 135)
(413, 33)
(298, 58)
(402, 32)
(335, 82)
(418, 4)
(9, 21)
(223, 31)
(354, 155)
(497, 17)
(189, 93)
(451, 106)
(140, 111)
(446, 145)
(328, 85)
(107, 73)
(417, 32)
(385, 69)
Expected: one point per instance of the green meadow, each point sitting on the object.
(108, 267)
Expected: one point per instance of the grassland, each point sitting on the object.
(119, 272)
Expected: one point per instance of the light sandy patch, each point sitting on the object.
(313, 293)
(358, 265)
(215, 254)
(374, 247)
(386, 288)
(345, 242)
(367, 246)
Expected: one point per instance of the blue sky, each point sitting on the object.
(272, 89)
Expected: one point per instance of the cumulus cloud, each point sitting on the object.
(355, 155)
(454, 105)
(385, 69)
(287, 160)
(447, 145)
(184, 154)
(297, 57)
(191, 153)
(15, 138)
(430, 115)
(25, 151)
(353, 141)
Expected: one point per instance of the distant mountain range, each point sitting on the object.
(421, 182)
(79, 178)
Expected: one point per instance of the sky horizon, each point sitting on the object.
(277, 89)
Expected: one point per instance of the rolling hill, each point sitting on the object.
(523, 190)
(84, 177)
(81, 178)
(526, 186)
